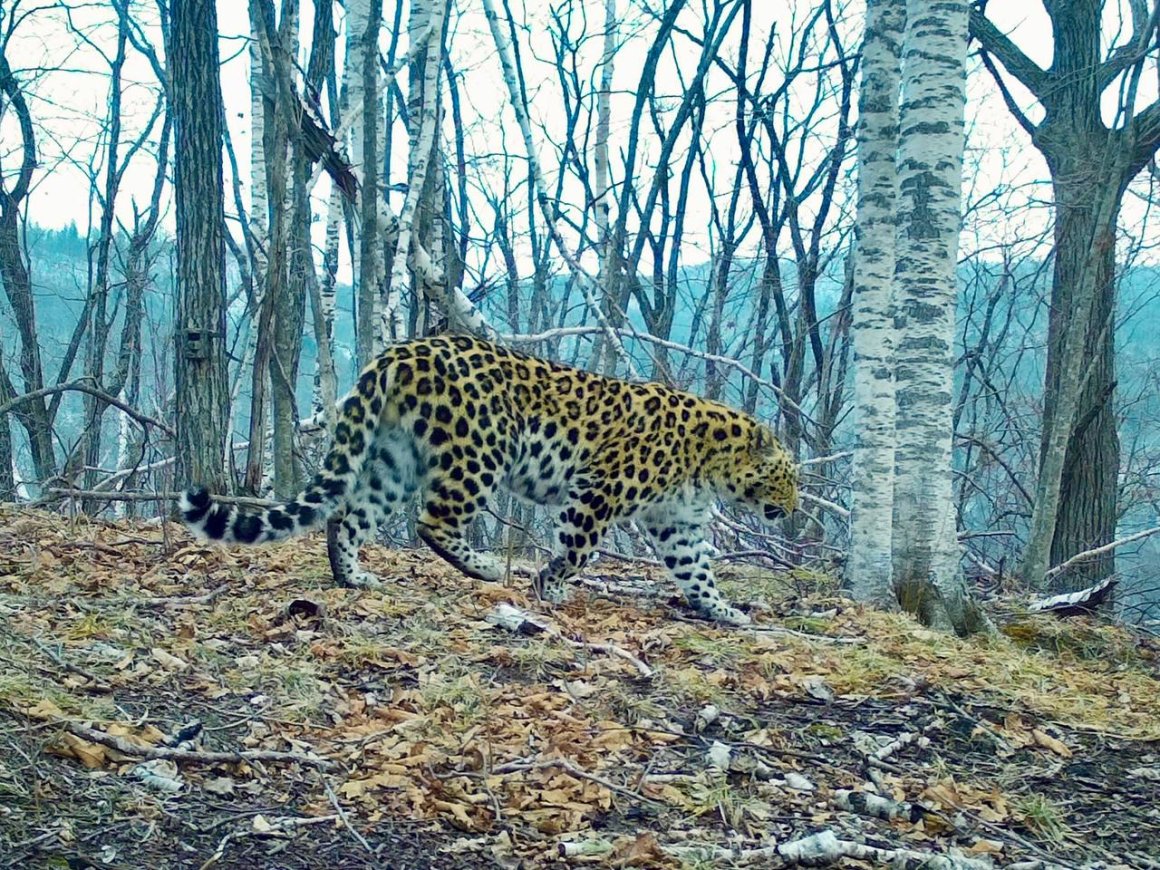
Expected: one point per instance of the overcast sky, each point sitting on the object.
(70, 98)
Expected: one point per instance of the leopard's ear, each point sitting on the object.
(764, 441)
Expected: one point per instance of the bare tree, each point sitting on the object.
(34, 416)
(367, 157)
(1091, 164)
(202, 395)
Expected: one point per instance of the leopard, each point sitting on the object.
(457, 418)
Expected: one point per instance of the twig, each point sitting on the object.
(219, 852)
(833, 507)
(69, 666)
(190, 755)
(819, 638)
(1000, 831)
(205, 598)
(900, 742)
(344, 818)
(516, 620)
(1099, 551)
(82, 387)
(522, 765)
(986, 726)
(22, 849)
(610, 649)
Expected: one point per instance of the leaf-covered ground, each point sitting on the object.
(405, 728)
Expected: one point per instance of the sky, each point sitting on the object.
(60, 55)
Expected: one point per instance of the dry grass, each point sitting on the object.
(503, 746)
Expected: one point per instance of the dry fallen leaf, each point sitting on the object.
(1042, 738)
(43, 709)
(219, 785)
(168, 660)
(91, 755)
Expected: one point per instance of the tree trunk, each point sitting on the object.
(319, 71)
(201, 388)
(426, 19)
(286, 289)
(258, 347)
(606, 277)
(34, 416)
(7, 477)
(370, 257)
(1091, 166)
(870, 569)
(1088, 475)
(925, 555)
(98, 311)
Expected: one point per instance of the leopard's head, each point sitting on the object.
(763, 476)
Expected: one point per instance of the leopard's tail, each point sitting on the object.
(323, 496)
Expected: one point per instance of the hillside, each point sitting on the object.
(296, 725)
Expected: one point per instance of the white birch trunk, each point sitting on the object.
(927, 573)
(124, 443)
(259, 190)
(357, 14)
(587, 285)
(259, 229)
(600, 147)
(323, 407)
(353, 124)
(427, 21)
(870, 568)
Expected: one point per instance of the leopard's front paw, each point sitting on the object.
(732, 616)
(719, 611)
(361, 579)
(552, 591)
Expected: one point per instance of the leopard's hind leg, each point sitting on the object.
(387, 480)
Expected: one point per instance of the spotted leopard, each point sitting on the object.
(456, 417)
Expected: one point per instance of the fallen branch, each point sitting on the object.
(518, 622)
(178, 600)
(866, 804)
(900, 742)
(1076, 603)
(136, 750)
(805, 635)
(825, 848)
(612, 650)
(715, 855)
(97, 684)
(522, 766)
(244, 501)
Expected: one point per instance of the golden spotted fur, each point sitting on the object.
(456, 417)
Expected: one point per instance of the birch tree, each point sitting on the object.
(870, 568)
(365, 62)
(426, 29)
(927, 574)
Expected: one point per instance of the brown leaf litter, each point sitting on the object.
(210, 707)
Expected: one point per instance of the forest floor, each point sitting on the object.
(167, 704)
